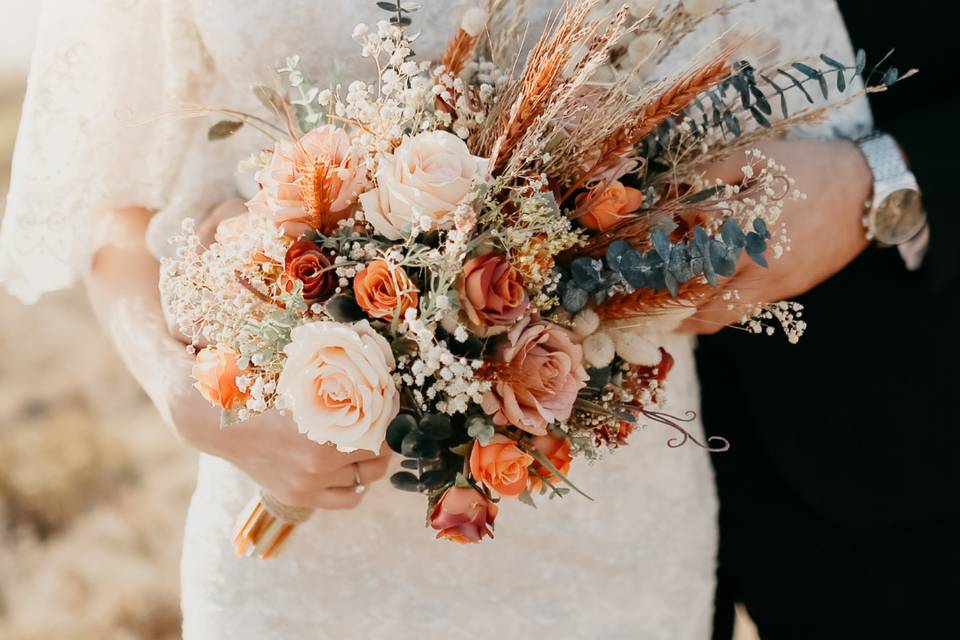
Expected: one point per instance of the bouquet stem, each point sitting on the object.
(265, 525)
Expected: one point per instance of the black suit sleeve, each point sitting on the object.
(929, 135)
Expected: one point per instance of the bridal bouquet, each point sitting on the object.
(474, 261)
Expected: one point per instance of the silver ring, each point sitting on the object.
(358, 486)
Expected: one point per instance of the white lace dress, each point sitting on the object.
(636, 563)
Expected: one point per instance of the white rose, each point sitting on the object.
(420, 183)
(337, 383)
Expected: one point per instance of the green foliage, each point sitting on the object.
(433, 446)
(667, 265)
(224, 129)
(400, 11)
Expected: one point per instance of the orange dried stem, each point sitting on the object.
(650, 115)
(458, 51)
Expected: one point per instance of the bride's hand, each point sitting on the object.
(285, 463)
(825, 229)
(122, 286)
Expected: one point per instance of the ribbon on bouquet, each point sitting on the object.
(265, 525)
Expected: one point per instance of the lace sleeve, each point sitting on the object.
(93, 134)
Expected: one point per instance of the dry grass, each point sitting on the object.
(93, 489)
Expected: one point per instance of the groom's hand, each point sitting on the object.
(825, 229)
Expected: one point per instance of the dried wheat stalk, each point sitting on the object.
(646, 117)
(646, 301)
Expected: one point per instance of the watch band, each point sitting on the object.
(890, 172)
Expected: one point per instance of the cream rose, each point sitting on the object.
(337, 383)
(423, 180)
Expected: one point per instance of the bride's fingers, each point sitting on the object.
(368, 472)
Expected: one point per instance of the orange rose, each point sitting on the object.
(216, 374)
(306, 262)
(602, 210)
(501, 465)
(557, 451)
(491, 291)
(383, 291)
(463, 515)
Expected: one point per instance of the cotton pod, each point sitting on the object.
(637, 349)
(474, 21)
(586, 323)
(599, 350)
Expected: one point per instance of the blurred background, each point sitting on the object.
(93, 488)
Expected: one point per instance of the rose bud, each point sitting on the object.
(501, 465)
(557, 451)
(306, 262)
(605, 207)
(463, 515)
(491, 291)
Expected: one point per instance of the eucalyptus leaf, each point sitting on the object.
(587, 273)
(344, 308)
(405, 481)
(527, 499)
(398, 430)
(480, 429)
(661, 243)
(437, 426)
(574, 298)
(224, 129)
(861, 61)
(436, 478)
(270, 98)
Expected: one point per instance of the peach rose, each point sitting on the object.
(420, 184)
(384, 291)
(288, 178)
(606, 206)
(536, 372)
(501, 465)
(338, 384)
(557, 451)
(306, 262)
(491, 291)
(215, 372)
(463, 515)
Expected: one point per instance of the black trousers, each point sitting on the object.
(803, 576)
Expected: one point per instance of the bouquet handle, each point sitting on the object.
(265, 525)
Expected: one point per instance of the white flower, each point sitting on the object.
(638, 349)
(337, 383)
(420, 183)
(598, 350)
(586, 323)
(701, 8)
(474, 20)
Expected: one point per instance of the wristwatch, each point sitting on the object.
(894, 214)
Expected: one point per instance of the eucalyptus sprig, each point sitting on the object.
(401, 11)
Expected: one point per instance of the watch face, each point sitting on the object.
(899, 217)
